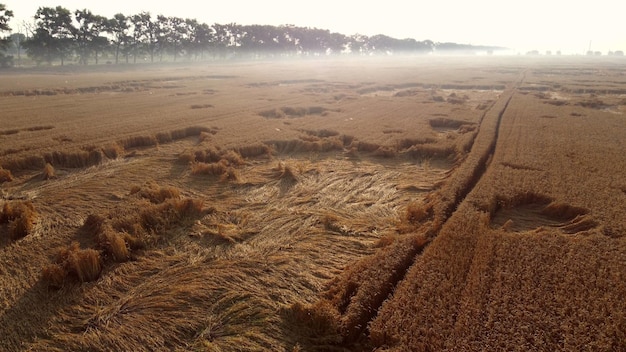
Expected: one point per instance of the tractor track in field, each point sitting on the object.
(458, 187)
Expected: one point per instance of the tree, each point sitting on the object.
(53, 35)
(145, 35)
(221, 40)
(179, 35)
(201, 37)
(358, 44)
(87, 36)
(140, 34)
(119, 28)
(5, 16)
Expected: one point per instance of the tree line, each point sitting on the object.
(57, 34)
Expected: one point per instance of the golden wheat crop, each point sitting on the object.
(473, 204)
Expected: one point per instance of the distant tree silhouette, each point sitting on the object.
(87, 36)
(59, 35)
(5, 16)
(119, 27)
(53, 37)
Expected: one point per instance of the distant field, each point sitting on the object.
(399, 204)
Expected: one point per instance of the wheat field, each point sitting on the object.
(397, 204)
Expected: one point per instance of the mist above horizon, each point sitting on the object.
(568, 28)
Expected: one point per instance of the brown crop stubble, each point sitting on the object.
(20, 217)
(5, 175)
(82, 265)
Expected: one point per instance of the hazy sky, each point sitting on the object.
(568, 26)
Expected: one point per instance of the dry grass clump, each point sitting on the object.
(231, 175)
(78, 159)
(221, 169)
(113, 150)
(190, 131)
(422, 151)
(346, 139)
(385, 152)
(386, 240)
(442, 122)
(88, 156)
(593, 103)
(454, 98)
(332, 223)
(138, 142)
(323, 133)
(563, 211)
(438, 98)
(292, 112)
(301, 146)
(5, 175)
(85, 264)
(54, 274)
(204, 136)
(233, 158)
(271, 114)
(366, 147)
(188, 207)
(209, 154)
(213, 169)
(71, 262)
(155, 193)
(213, 154)
(406, 93)
(286, 172)
(20, 216)
(407, 143)
(114, 245)
(556, 102)
(254, 150)
(193, 131)
(161, 217)
(31, 162)
(170, 136)
(9, 132)
(524, 198)
(48, 172)
(316, 110)
(94, 223)
(417, 212)
(201, 106)
(164, 137)
(116, 240)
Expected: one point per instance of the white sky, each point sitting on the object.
(568, 26)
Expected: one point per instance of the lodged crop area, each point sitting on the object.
(397, 204)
